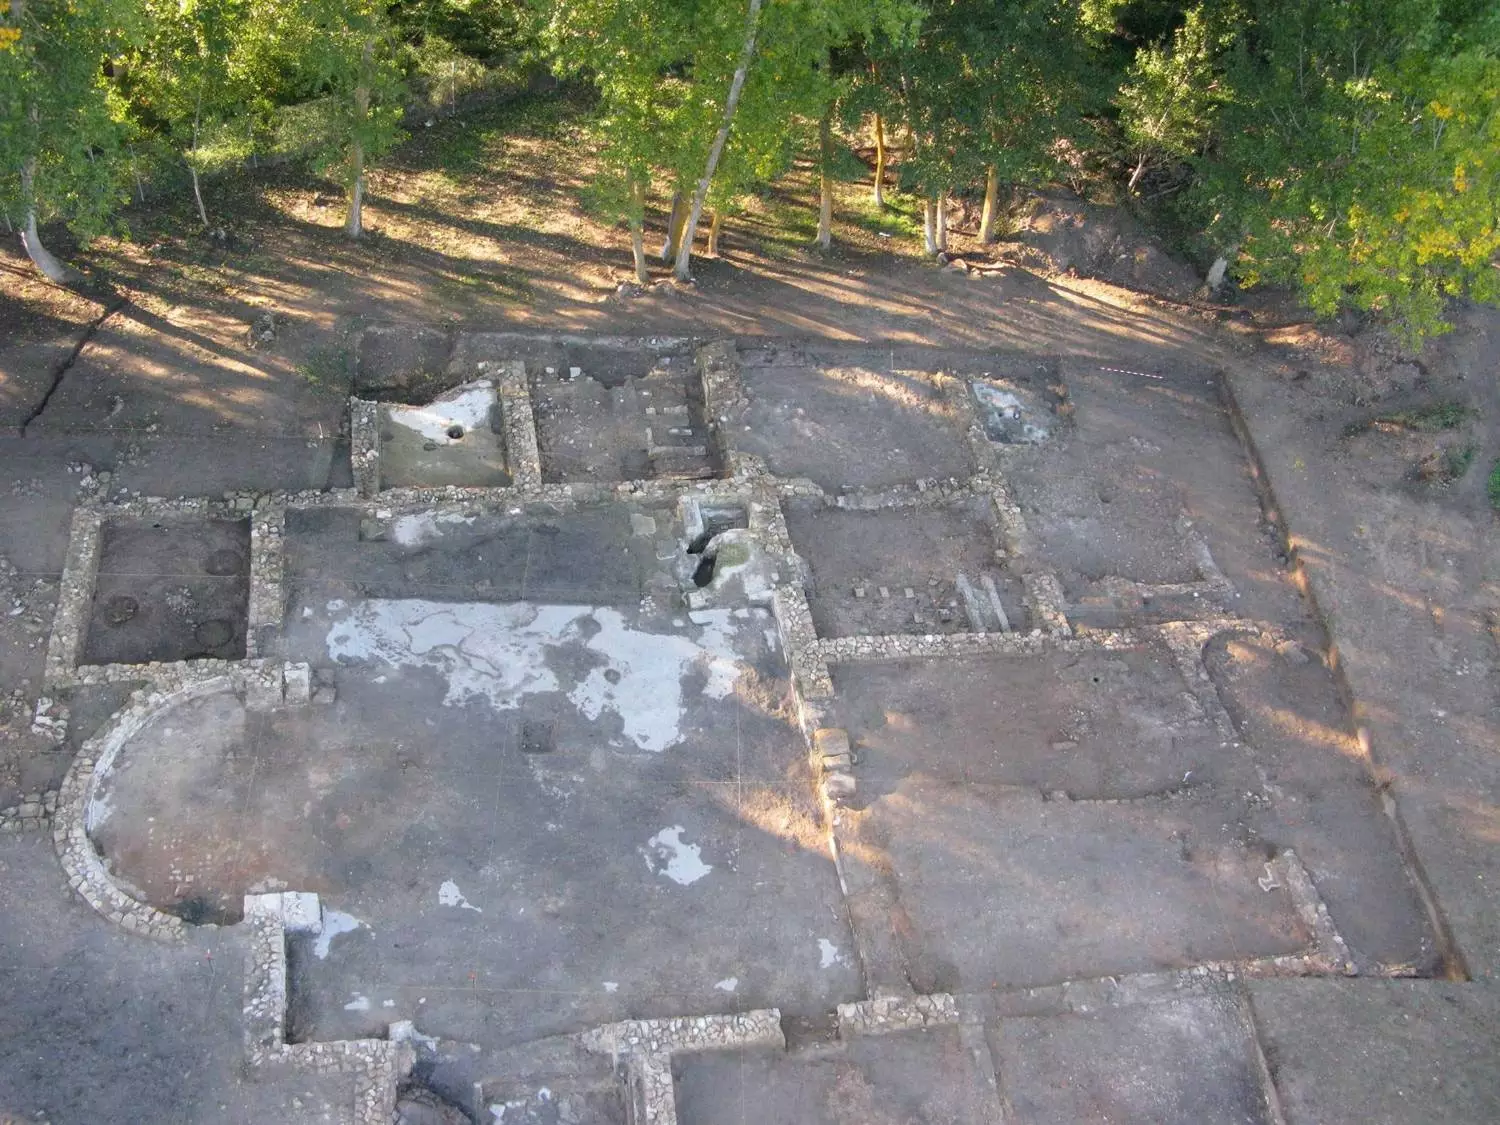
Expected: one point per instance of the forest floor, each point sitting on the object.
(196, 364)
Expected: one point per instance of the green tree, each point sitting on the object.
(987, 91)
(1357, 159)
(339, 56)
(180, 81)
(61, 122)
(1170, 97)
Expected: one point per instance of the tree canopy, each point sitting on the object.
(1344, 148)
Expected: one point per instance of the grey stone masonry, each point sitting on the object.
(267, 567)
(646, 1047)
(364, 445)
(951, 646)
(75, 594)
(32, 813)
(522, 453)
(378, 1066)
(897, 1013)
(72, 810)
(799, 640)
(718, 365)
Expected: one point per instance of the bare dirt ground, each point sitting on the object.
(201, 366)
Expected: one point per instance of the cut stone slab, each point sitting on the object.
(1398, 1052)
(1187, 1060)
(928, 1076)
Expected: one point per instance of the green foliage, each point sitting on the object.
(988, 84)
(1459, 460)
(340, 56)
(1427, 419)
(1357, 160)
(63, 126)
(1171, 95)
(1492, 488)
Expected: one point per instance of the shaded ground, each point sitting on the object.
(920, 1076)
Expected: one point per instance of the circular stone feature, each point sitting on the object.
(120, 609)
(455, 432)
(214, 632)
(222, 564)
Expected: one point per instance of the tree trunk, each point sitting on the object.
(674, 225)
(193, 161)
(1135, 177)
(41, 257)
(715, 228)
(942, 222)
(929, 225)
(1220, 268)
(637, 232)
(354, 225)
(991, 205)
(198, 197)
(879, 162)
(825, 184)
(736, 85)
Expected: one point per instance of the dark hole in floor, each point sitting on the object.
(214, 632)
(455, 432)
(715, 522)
(703, 573)
(812, 1030)
(201, 911)
(121, 609)
(221, 564)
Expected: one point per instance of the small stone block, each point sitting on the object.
(298, 684)
(885, 591)
(831, 742)
(839, 786)
(837, 762)
(301, 913)
(859, 591)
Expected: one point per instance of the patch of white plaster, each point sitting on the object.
(829, 954)
(422, 527)
(611, 986)
(334, 924)
(468, 406)
(500, 653)
(360, 1003)
(405, 1031)
(450, 895)
(728, 984)
(678, 861)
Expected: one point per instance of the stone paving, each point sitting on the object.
(1083, 813)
